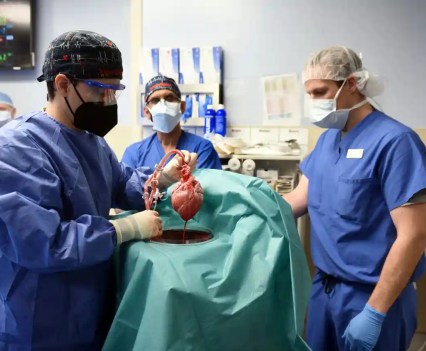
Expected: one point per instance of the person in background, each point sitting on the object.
(59, 179)
(163, 106)
(363, 186)
(7, 109)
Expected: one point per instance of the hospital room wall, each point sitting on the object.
(262, 38)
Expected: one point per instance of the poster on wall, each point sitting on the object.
(281, 100)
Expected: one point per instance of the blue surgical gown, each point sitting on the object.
(57, 187)
(149, 151)
(352, 192)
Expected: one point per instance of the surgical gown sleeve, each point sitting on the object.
(130, 156)
(32, 233)
(208, 157)
(129, 185)
(402, 169)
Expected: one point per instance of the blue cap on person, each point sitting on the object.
(161, 82)
(5, 99)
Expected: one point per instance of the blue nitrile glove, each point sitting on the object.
(363, 330)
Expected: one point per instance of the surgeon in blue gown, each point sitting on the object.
(363, 186)
(164, 107)
(59, 180)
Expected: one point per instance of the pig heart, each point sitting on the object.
(188, 195)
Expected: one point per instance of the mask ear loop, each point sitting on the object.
(78, 94)
(74, 84)
(359, 104)
(338, 91)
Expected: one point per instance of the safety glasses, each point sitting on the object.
(94, 83)
(106, 94)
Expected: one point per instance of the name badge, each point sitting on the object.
(354, 153)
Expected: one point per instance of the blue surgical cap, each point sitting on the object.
(161, 82)
(5, 99)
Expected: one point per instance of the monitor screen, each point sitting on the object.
(16, 34)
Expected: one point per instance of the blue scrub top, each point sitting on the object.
(57, 187)
(149, 151)
(354, 183)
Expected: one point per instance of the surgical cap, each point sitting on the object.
(82, 54)
(161, 82)
(5, 99)
(339, 63)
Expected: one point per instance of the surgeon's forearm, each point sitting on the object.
(397, 270)
(298, 206)
(298, 198)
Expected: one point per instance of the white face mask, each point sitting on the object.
(165, 116)
(5, 116)
(323, 112)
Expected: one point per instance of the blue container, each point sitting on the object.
(220, 123)
(209, 121)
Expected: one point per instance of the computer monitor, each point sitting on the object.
(16, 34)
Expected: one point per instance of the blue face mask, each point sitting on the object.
(165, 116)
(323, 112)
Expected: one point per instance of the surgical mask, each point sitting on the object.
(5, 116)
(323, 112)
(94, 117)
(165, 116)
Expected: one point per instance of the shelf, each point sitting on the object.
(213, 89)
(264, 157)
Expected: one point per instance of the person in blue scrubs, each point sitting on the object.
(363, 186)
(163, 106)
(59, 179)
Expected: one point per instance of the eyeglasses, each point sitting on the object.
(102, 92)
(168, 98)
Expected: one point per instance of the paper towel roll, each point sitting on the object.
(248, 167)
(234, 164)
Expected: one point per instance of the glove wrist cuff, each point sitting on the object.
(379, 315)
(123, 229)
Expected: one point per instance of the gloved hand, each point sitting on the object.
(141, 225)
(171, 172)
(363, 330)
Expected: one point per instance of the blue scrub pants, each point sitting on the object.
(334, 303)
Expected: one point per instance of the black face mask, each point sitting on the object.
(96, 119)
(93, 117)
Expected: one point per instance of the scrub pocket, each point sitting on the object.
(355, 197)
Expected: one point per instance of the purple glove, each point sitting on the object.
(363, 330)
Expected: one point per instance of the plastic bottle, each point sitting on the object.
(220, 123)
(209, 121)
